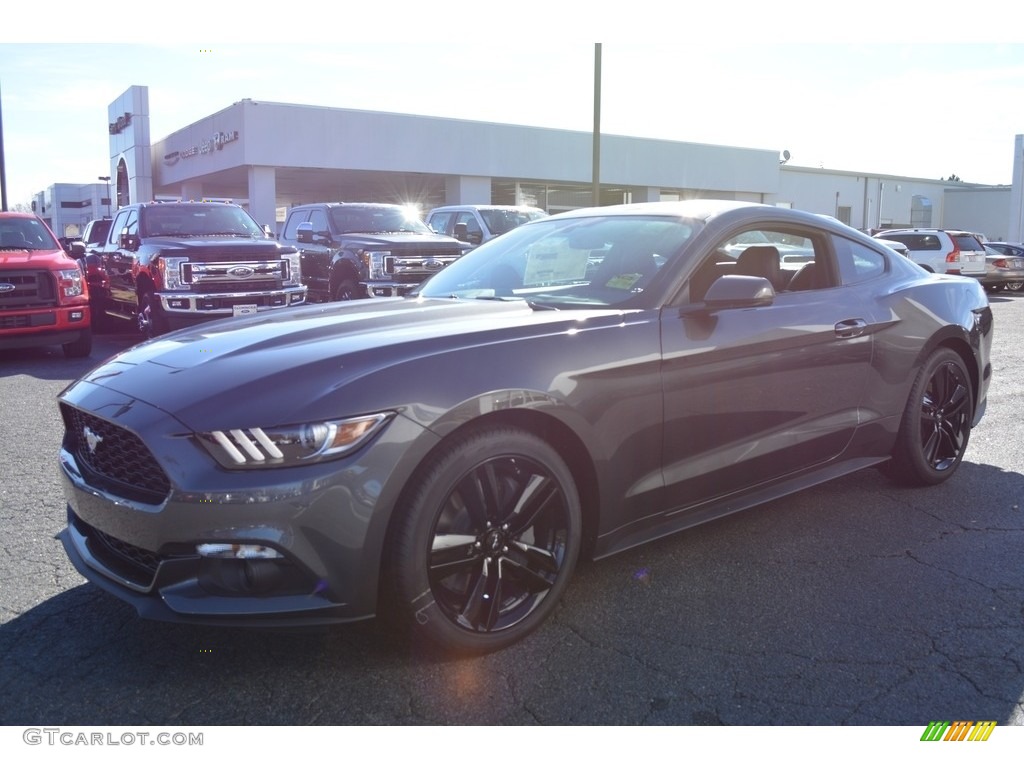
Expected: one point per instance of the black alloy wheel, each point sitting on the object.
(936, 425)
(489, 541)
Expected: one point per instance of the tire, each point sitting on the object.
(936, 425)
(80, 347)
(487, 541)
(150, 322)
(346, 291)
(1014, 285)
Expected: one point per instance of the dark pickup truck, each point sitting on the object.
(172, 265)
(365, 250)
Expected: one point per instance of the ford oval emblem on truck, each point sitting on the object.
(432, 264)
(241, 271)
(6, 287)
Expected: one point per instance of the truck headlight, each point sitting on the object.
(170, 271)
(294, 276)
(291, 445)
(71, 282)
(374, 262)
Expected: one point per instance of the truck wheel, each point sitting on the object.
(80, 347)
(346, 291)
(151, 322)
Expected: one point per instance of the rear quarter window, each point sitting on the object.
(967, 243)
(917, 242)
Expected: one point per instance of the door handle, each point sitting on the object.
(848, 329)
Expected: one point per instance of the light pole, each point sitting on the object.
(107, 180)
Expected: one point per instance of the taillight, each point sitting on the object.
(1001, 263)
(953, 257)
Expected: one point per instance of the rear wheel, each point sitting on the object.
(489, 539)
(1014, 285)
(936, 424)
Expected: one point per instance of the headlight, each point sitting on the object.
(294, 276)
(70, 281)
(170, 270)
(291, 445)
(374, 262)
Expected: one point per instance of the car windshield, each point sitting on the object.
(499, 221)
(377, 220)
(26, 234)
(197, 220)
(562, 263)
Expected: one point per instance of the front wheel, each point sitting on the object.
(488, 539)
(151, 323)
(80, 347)
(936, 423)
(346, 291)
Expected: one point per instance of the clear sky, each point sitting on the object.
(891, 104)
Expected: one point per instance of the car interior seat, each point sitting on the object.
(762, 261)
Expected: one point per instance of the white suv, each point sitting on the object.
(942, 250)
(477, 224)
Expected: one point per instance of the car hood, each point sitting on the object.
(400, 238)
(316, 362)
(32, 258)
(220, 243)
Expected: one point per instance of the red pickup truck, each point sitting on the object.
(44, 298)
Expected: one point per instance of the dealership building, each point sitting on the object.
(270, 156)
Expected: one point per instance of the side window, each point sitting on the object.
(114, 236)
(131, 223)
(857, 262)
(788, 259)
(472, 225)
(441, 223)
(291, 226)
(319, 221)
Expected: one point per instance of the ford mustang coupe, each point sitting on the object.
(581, 385)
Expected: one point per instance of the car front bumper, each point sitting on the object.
(324, 523)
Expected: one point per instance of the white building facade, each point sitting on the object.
(270, 156)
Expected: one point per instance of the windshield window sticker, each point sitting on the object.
(555, 263)
(624, 282)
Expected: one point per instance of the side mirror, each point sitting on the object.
(76, 248)
(739, 292)
(462, 232)
(128, 242)
(304, 234)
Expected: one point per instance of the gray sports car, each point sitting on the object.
(581, 385)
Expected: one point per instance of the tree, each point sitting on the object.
(952, 177)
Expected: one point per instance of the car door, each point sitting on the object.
(119, 257)
(755, 393)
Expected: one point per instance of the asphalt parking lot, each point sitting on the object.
(858, 602)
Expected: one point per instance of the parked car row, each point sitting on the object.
(998, 266)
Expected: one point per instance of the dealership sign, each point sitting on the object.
(121, 123)
(205, 147)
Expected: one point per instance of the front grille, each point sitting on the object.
(112, 458)
(135, 564)
(213, 276)
(33, 288)
(411, 269)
